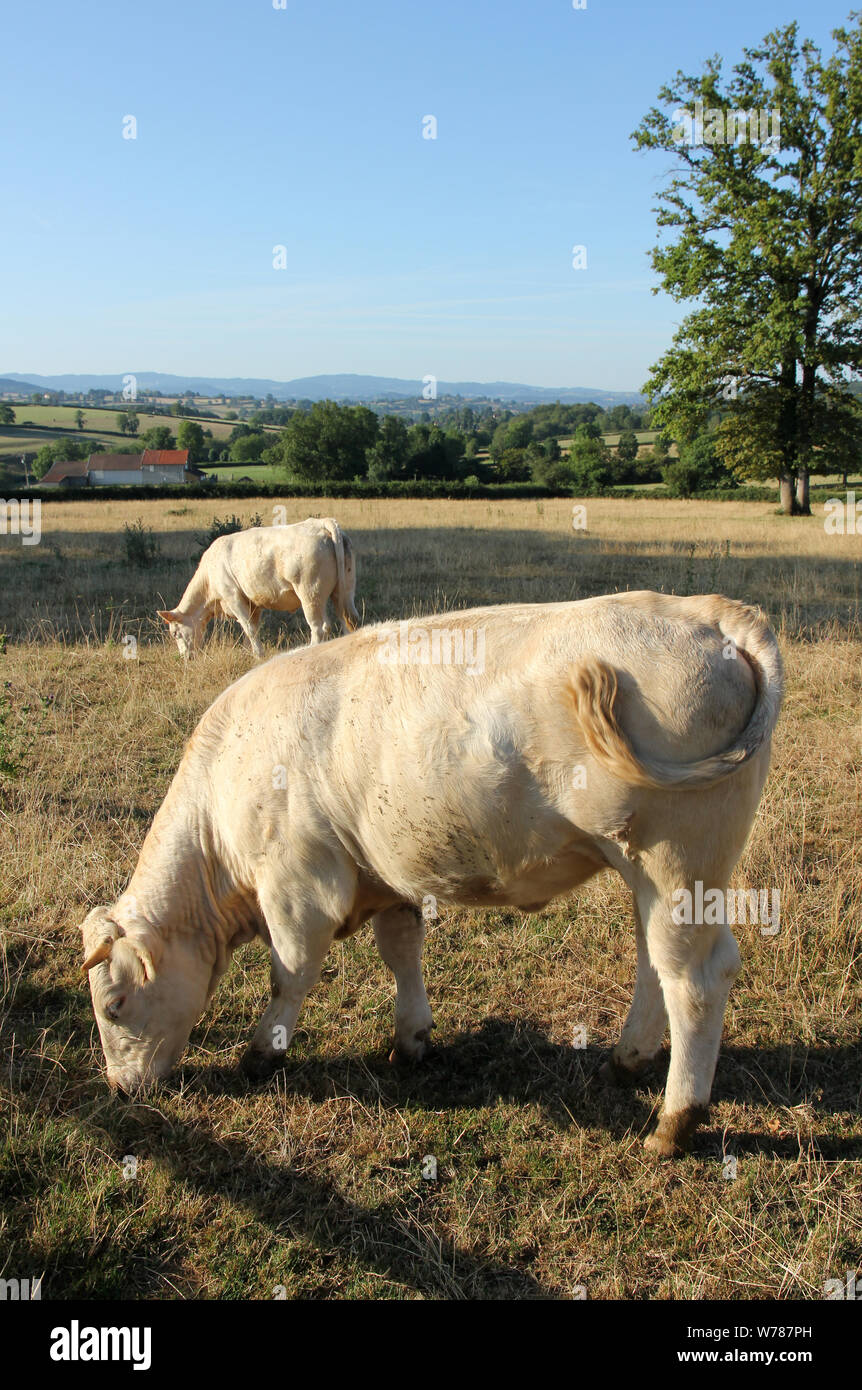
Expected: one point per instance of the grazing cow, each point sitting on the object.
(277, 567)
(352, 781)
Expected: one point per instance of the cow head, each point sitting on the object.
(187, 634)
(147, 994)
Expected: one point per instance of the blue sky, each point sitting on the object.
(302, 127)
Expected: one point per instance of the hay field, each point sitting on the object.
(311, 1183)
(103, 419)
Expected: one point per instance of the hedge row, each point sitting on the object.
(418, 489)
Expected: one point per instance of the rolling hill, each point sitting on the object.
(339, 386)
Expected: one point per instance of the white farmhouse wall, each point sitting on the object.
(107, 476)
(127, 477)
(153, 474)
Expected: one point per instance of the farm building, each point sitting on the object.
(70, 473)
(152, 466)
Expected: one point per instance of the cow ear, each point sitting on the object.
(166, 613)
(147, 954)
(136, 958)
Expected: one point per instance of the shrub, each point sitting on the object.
(591, 474)
(698, 468)
(248, 448)
(680, 478)
(555, 475)
(224, 526)
(142, 548)
(514, 466)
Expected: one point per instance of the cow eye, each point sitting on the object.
(112, 1010)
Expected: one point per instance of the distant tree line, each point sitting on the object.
(333, 442)
(559, 446)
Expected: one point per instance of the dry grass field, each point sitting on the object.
(104, 419)
(311, 1185)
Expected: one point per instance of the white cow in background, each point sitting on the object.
(281, 568)
(356, 779)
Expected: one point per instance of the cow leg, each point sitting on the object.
(399, 933)
(248, 617)
(644, 1029)
(696, 966)
(299, 949)
(314, 607)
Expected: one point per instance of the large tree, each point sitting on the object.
(329, 441)
(248, 448)
(127, 422)
(190, 436)
(158, 437)
(64, 449)
(766, 237)
(627, 446)
(387, 458)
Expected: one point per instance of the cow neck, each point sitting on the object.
(195, 603)
(171, 888)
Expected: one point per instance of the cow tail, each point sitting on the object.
(593, 685)
(342, 598)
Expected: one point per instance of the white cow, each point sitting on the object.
(281, 568)
(356, 779)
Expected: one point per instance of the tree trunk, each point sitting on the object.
(803, 501)
(785, 492)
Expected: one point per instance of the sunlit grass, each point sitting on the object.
(313, 1182)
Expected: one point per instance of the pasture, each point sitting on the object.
(103, 420)
(312, 1183)
(36, 425)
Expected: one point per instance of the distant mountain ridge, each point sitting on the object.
(8, 383)
(337, 386)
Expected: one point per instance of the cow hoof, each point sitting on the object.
(671, 1138)
(614, 1073)
(257, 1066)
(413, 1051)
(660, 1147)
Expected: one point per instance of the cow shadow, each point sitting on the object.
(396, 1238)
(519, 1064)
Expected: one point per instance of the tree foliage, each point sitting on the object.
(328, 441)
(700, 467)
(767, 239)
(158, 437)
(190, 436)
(62, 449)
